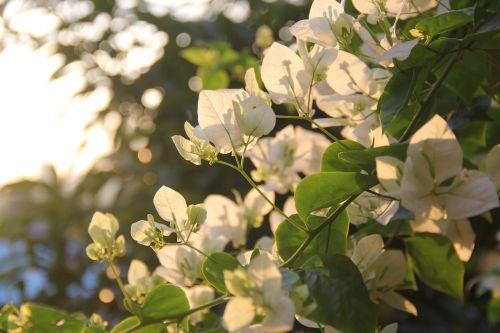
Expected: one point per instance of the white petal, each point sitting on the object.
(238, 314)
(367, 250)
(391, 328)
(171, 206)
(397, 301)
(365, 6)
(186, 149)
(441, 148)
(400, 51)
(462, 236)
(345, 67)
(389, 173)
(492, 165)
(475, 195)
(256, 207)
(224, 220)
(284, 75)
(302, 31)
(264, 272)
(281, 316)
(136, 271)
(102, 228)
(391, 269)
(217, 118)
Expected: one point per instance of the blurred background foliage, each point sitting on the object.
(144, 62)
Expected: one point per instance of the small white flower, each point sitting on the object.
(197, 148)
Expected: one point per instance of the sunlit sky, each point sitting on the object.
(45, 120)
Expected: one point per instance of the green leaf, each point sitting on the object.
(126, 325)
(327, 189)
(330, 160)
(444, 22)
(213, 268)
(436, 263)
(166, 301)
(341, 296)
(396, 95)
(200, 56)
(331, 240)
(494, 311)
(213, 78)
(151, 328)
(47, 319)
(366, 158)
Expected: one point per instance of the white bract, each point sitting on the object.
(197, 148)
(197, 296)
(286, 78)
(148, 232)
(102, 229)
(279, 160)
(434, 185)
(257, 293)
(231, 220)
(491, 165)
(140, 280)
(383, 271)
(172, 207)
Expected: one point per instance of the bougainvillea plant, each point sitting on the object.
(390, 77)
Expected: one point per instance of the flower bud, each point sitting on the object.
(197, 214)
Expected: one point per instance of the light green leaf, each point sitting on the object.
(331, 161)
(494, 311)
(331, 240)
(165, 302)
(213, 268)
(366, 158)
(341, 296)
(436, 263)
(126, 325)
(327, 189)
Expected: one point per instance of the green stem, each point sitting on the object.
(315, 232)
(269, 201)
(428, 99)
(383, 195)
(119, 280)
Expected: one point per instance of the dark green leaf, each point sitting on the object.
(165, 302)
(436, 263)
(366, 158)
(214, 266)
(396, 95)
(444, 22)
(330, 240)
(327, 189)
(341, 296)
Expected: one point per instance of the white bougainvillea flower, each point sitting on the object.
(254, 116)
(405, 9)
(317, 59)
(140, 280)
(434, 185)
(357, 113)
(102, 229)
(257, 293)
(286, 78)
(385, 275)
(390, 174)
(370, 206)
(147, 232)
(279, 160)
(382, 51)
(217, 118)
(197, 296)
(252, 86)
(383, 271)
(491, 165)
(172, 207)
(349, 75)
(459, 232)
(181, 265)
(327, 25)
(196, 148)
(373, 9)
(231, 220)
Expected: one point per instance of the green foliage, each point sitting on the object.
(330, 160)
(341, 295)
(328, 189)
(436, 263)
(333, 241)
(214, 266)
(165, 302)
(494, 310)
(445, 22)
